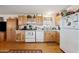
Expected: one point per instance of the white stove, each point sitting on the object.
(30, 36)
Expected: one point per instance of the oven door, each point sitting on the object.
(30, 36)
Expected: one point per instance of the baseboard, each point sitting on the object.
(62, 50)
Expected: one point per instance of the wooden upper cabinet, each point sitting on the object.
(22, 20)
(11, 24)
(11, 30)
(58, 20)
(39, 20)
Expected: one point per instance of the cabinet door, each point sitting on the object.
(20, 36)
(11, 35)
(69, 40)
(57, 20)
(11, 30)
(53, 35)
(25, 19)
(22, 20)
(49, 36)
(57, 37)
(46, 36)
(11, 24)
(2, 36)
(39, 20)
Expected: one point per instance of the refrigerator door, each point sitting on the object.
(70, 22)
(75, 19)
(67, 22)
(69, 40)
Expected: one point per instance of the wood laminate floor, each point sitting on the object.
(45, 47)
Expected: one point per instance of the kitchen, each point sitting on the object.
(36, 25)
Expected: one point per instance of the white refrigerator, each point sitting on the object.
(69, 34)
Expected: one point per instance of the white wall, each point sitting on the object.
(8, 15)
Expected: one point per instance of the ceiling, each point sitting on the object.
(21, 9)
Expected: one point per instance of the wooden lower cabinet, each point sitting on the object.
(39, 20)
(20, 36)
(22, 20)
(2, 36)
(49, 36)
(52, 36)
(58, 37)
(11, 35)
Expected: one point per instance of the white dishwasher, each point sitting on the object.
(39, 36)
(30, 36)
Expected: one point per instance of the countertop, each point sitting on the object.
(40, 30)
